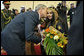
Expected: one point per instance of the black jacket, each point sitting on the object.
(71, 12)
(75, 37)
(21, 28)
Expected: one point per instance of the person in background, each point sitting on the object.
(22, 9)
(16, 12)
(13, 11)
(6, 15)
(29, 9)
(71, 12)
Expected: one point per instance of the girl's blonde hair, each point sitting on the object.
(55, 16)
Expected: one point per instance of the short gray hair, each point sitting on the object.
(40, 6)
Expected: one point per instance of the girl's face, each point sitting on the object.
(49, 14)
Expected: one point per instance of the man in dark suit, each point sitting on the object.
(71, 12)
(75, 37)
(22, 9)
(21, 29)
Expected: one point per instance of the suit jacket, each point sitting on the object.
(21, 28)
(75, 37)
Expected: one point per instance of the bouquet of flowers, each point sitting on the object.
(54, 41)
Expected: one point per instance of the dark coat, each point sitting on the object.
(71, 12)
(75, 37)
(21, 28)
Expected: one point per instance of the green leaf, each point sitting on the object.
(52, 48)
(47, 48)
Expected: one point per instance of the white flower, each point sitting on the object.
(48, 35)
(56, 37)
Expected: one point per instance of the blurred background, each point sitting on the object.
(32, 4)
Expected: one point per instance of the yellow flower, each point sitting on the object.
(51, 36)
(59, 27)
(59, 44)
(56, 34)
(65, 41)
(62, 46)
(51, 32)
(62, 35)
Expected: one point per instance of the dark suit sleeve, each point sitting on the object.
(29, 29)
(75, 37)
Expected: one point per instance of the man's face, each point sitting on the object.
(44, 13)
(6, 6)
